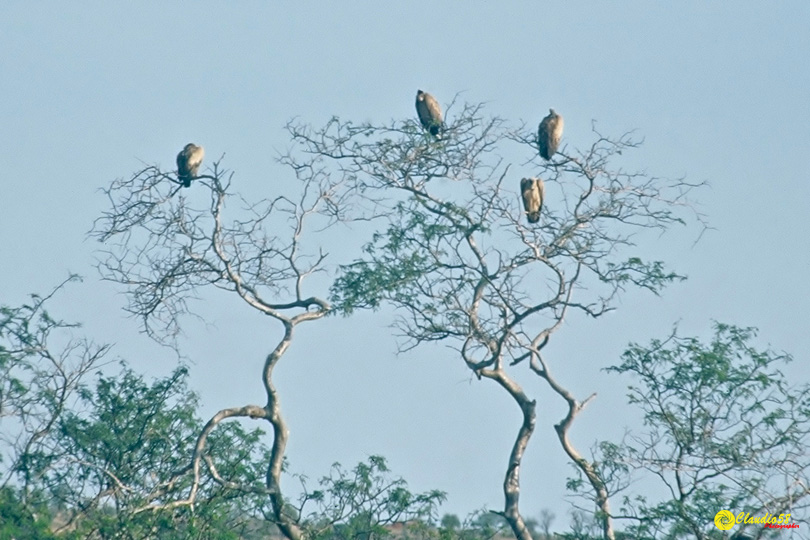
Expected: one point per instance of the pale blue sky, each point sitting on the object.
(720, 92)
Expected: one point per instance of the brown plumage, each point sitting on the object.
(188, 163)
(549, 134)
(430, 113)
(533, 191)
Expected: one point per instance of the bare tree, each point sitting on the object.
(546, 519)
(165, 245)
(459, 261)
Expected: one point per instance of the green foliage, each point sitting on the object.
(694, 394)
(128, 446)
(724, 430)
(647, 275)
(480, 525)
(19, 520)
(131, 427)
(402, 260)
(89, 461)
(396, 265)
(366, 502)
(583, 526)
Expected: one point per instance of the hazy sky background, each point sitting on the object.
(719, 91)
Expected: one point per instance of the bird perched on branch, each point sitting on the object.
(549, 134)
(188, 163)
(430, 113)
(533, 191)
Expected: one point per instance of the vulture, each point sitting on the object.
(188, 163)
(549, 134)
(532, 191)
(430, 113)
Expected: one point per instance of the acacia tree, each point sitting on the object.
(724, 430)
(165, 247)
(365, 503)
(457, 259)
(80, 458)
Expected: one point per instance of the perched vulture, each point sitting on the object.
(188, 163)
(549, 134)
(430, 113)
(532, 191)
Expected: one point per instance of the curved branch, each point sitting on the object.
(538, 365)
(511, 483)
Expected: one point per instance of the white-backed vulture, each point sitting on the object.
(188, 163)
(549, 134)
(533, 191)
(430, 113)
